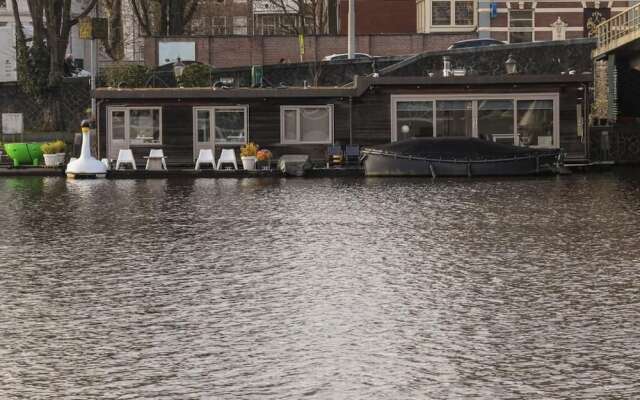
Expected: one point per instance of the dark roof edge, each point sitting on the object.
(361, 85)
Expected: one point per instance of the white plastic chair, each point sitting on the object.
(154, 156)
(227, 156)
(125, 156)
(205, 157)
(107, 163)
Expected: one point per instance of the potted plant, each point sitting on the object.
(264, 157)
(248, 155)
(50, 157)
(60, 147)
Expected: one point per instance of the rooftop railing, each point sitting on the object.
(618, 31)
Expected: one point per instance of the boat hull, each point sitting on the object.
(395, 165)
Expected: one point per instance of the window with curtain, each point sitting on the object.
(454, 118)
(307, 124)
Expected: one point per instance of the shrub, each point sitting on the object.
(127, 75)
(48, 148)
(196, 75)
(249, 150)
(59, 146)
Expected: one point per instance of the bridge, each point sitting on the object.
(617, 85)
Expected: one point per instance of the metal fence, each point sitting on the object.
(619, 30)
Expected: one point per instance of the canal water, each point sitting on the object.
(321, 288)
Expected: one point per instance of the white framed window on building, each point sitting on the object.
(239, 25)
(219, 25)
(446, 15)
(219, 125)
(133, 126)
(521, 23)
(306, 124)
(520, 119)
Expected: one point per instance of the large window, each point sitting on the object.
(136, 125)
(521, 26)
(535, 122)
(415, 119)
(524, 119)
(454, 118)
(306, 124)
(230, 125)
(452, 12)
(495, 120)
(144, 126)
(224, 124)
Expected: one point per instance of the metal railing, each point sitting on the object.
(613, 32)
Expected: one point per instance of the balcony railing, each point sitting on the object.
(618, 31)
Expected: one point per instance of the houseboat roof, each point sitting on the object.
(358, 87)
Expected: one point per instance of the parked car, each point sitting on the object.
(344, 56)
(465, 44)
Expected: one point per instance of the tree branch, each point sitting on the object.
(84, 13)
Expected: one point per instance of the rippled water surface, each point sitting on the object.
(321, 289)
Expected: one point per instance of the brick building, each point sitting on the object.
(379, 16)
(515, 21)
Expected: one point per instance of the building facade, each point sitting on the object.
(379, 16)
(516, 21)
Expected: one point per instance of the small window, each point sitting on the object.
(307, 124)
(230, 125)
(452, 13)
(144, 126)
(219, 25)
(239, 25)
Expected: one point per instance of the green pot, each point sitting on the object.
(24, 153)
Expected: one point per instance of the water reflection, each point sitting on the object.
(323, 288)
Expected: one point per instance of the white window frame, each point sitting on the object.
(127, 125)
(453, 27)
(475, 98)
(522, 28)
(212, 128)
(283, 140)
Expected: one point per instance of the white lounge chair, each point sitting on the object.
(156, 160)
(227, 156)
(205, 157)
(125, 156)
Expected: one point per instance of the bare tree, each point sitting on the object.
(310, 16)
(41, 62)
(114, 45)
(164, 17)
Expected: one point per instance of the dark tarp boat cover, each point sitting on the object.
(458, 148)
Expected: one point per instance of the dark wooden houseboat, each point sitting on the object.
(539, 111)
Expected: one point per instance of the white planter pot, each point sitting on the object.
(61, 157)
(249, 163)
(51, 160)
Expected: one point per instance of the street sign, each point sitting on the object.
(93, 28)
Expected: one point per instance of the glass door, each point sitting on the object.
(118, 138)
(202, 137)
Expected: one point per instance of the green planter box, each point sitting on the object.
(24, 153)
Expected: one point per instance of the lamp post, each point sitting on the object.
(178, 68)
(511, 65)
(351, 31)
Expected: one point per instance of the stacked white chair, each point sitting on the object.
(205, 156)
(156, 154)
(125, 156)
(227, 156)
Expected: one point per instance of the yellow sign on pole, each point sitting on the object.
(301, 45)
(86, 28)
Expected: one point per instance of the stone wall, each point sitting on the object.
(234, 51)
(77, 98)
